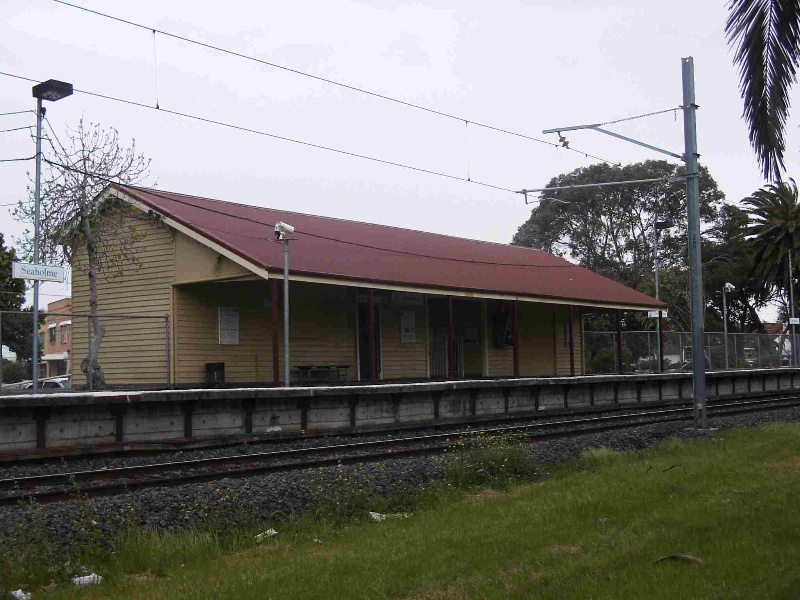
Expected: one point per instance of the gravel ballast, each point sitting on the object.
(227, 502)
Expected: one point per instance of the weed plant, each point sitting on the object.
(479, 460)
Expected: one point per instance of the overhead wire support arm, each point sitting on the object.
(593, 185)
(597, 127)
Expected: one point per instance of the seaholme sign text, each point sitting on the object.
(41, 272)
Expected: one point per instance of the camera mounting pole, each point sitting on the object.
(281, 232)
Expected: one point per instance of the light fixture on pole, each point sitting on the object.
(728, 287)
(281, 231)
(53, 91)
(792, 319)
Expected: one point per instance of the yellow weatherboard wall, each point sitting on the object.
(321, 327)
(131, 348)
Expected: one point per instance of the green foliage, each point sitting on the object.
(481, 460)
(728, 257)
(12, 291)
(600, 457)
(766, 35)
(610, 229)
(29, 556)
(774, 232)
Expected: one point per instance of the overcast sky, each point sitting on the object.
(521, 66)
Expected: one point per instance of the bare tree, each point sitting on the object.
(76, 214)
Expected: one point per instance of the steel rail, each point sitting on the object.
(428, 444)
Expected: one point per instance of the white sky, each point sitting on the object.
(523, 66)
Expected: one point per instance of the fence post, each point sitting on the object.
(758, 345)
(169, 355)
(620, 362)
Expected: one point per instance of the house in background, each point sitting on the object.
(55, 337)
(368, 302)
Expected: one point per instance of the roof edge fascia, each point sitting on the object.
(478, 295)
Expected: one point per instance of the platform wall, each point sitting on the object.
(78, 422)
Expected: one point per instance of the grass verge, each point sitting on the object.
(595, 528)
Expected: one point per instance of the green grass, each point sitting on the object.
(591, 530)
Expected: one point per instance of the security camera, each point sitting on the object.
(282, 230)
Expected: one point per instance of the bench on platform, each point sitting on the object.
(321, 373)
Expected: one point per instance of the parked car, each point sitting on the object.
(59, 383)
(684, 366)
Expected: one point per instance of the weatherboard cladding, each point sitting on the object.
(366, 252)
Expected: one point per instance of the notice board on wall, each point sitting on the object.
(228, 319)
(408, 326)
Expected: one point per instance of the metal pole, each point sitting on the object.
(620, 361)
(36, 200)
(286, 354)
(695, 259)
(373, 355)
(725, 324)
(451, 359)
(571, 332)
(515, 326)
(791, 303)
(655, 271)
(169, 353)
(660, 342)
(276, 370)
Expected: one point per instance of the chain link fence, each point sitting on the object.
(135, 351)
(640, 351)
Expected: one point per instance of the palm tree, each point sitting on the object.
(774, 231)
(766, 34)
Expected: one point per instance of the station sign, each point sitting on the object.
(794, 321)
(21, 270)
(653, 314)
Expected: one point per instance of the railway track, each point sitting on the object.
(114, 481)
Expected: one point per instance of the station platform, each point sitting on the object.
(73, 423)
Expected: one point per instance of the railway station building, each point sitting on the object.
(367, 302)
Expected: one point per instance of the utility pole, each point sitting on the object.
(689, 157)
(36, 201)
(53, 91)
(695, 259)
(791, 310)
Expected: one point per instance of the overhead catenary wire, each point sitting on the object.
(16, 129)
(322, 79)
(8, 160)
(171, 198)
(276, 136)
(16, 112)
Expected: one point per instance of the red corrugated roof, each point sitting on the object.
(377, 253)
